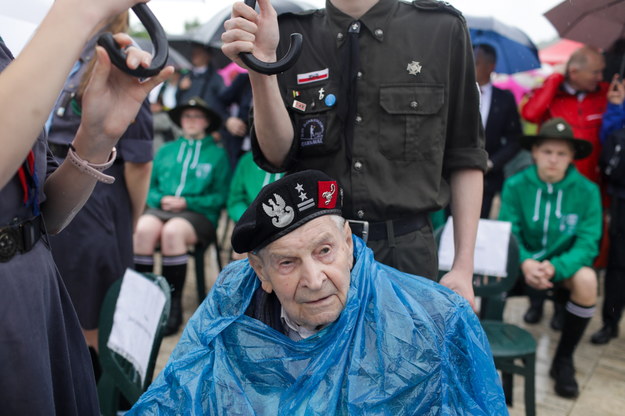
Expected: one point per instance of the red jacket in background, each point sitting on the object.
(584, 116)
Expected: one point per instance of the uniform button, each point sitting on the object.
(359, 75)
(358, 165)
(378, 33)
(356, 26)
(414, 104)
(339, 36)
(360, 213)
(358, 118)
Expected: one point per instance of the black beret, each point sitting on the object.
(285, 205)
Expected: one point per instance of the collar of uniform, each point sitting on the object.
(376, 20)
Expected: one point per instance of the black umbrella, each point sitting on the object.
(176, 59)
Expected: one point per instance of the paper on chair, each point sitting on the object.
(137, 314)
(491, 247)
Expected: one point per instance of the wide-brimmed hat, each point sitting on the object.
(558, 128)
(214, 119)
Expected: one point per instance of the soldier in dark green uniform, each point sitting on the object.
(383, 98)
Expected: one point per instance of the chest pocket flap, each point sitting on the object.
(412, 99)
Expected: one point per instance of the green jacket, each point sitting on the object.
(197, 170)
(560, 222)
(247, 182)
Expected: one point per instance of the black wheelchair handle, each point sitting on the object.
(159, 41)
(270, 68)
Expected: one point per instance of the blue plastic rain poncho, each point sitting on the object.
(402, 346)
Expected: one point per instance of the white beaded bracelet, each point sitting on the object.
(93, 169)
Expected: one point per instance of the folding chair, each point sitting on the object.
(513, 348)
(119, 376)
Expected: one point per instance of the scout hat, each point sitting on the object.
(557, 128)
(285, 205)
(214, 119)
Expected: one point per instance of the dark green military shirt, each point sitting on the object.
(417, 115)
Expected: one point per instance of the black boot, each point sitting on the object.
(605, 334)
(576, 318)
(535, 312)
(175, 271)
(563, 372)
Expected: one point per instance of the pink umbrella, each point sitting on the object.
(559, 52)
(230, 71)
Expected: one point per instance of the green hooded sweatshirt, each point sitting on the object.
(197, 170)
(560, 222)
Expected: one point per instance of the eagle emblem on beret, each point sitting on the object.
(281, 215)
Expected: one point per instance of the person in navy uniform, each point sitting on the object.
(45, 363)
(383, 99)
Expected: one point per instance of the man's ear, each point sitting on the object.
(347, 232)
(257, 264)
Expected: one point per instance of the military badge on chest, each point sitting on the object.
(312, 131)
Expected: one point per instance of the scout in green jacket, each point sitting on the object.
(556, 217)
(188, 189)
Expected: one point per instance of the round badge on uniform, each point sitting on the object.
(330, 100)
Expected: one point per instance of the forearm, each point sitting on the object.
(466, 200)
(538, 104)
(137, 178)
(271, 119)
(33, 84)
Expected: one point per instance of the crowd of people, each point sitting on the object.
(330, 171)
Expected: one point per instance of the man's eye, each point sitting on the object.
(324, 250)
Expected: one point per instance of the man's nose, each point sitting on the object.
(312, 274)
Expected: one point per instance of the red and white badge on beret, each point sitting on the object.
(328, 192)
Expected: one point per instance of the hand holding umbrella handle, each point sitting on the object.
(270, 68)
(159, 40)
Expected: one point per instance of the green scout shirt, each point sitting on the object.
(197, 170)
(418, 106)
(560, 222)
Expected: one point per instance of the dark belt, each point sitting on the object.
(59, 150)
(379, 230)
(20, 237)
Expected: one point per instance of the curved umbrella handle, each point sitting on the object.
(159, 40)
(270, 68)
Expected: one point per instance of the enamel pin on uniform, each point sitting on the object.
(314, 76)
(298, 105)
(414, 68)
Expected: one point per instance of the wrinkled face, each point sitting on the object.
(309, 270)
(194, 123)
(552, 158)
(587, 77)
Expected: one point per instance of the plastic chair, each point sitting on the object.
(513, 348)
(198, 253)
(199, 250)
(119, 377)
